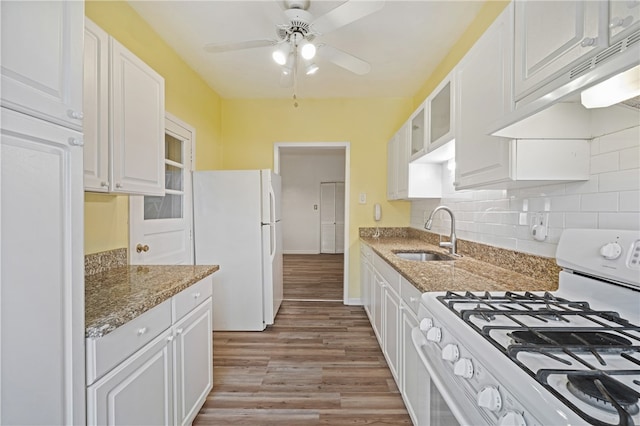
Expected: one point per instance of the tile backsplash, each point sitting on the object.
(503, 218)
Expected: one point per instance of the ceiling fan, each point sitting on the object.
(296, 43)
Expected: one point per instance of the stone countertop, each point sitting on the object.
(462, 274)
(116, 296)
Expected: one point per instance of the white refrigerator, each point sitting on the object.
(237, 226)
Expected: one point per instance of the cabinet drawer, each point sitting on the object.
(390, 275)
(104, 353)
(410, 295)
(185, 301)
(366, 251)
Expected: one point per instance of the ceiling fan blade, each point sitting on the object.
(345, 14)
(218, 48)
(344, 59)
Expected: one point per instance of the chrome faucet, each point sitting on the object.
(453, 243)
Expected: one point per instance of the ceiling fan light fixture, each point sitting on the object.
(307, 50)
(280, 54)
(311, 69)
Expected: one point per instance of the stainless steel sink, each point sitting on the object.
(422, 256)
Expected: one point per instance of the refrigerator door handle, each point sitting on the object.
(272, 231)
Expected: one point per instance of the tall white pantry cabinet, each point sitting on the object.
(42, 377)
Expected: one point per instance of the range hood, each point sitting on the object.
(554, 111)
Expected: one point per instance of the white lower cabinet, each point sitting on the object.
(166, 381)
(394, 304)
(365, 277)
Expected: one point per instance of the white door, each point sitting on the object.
(332, 217)
(160, 227)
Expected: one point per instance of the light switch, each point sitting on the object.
(363, 198)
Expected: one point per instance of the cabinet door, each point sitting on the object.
(624, 18)
(553, 35)
(42, 307)
(96, 108)
(137, 392)
(42, 59)
(137, 124)
(377, 305)
(193, 362)
(418, 131)
(483, 93)
(365, 284)
(441, 114)
(402, 161)
(392, 168)
(391, 326)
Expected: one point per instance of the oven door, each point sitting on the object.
(446, 404)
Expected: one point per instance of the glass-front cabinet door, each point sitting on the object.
(417, 132)
(441, 114)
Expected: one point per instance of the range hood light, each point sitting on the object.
(618, 88)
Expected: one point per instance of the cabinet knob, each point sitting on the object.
(620, 22)
(142, 330)
(142, 248)
(76, 142)
(170, 339)
(118, 185)
(588, 41)
(179, 331)
(196, 295)
(413, 299)
(78, 115)
(104, 184)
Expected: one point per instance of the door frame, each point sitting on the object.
(347, 187)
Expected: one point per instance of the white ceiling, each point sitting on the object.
(403, 42)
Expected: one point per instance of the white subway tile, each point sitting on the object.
(630, 201)
(581, 220)
(608, 162)
(567, 203)
(583, 187)
(630, 158)
(623, 180)
(619, 221)
(627, 138)
(600, 202)
(539, 248)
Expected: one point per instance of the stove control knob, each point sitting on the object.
(434, 334)
(511, 418)
(426, 324)
(611, 251)
(490, 399)
(450, 353)
(463, 368)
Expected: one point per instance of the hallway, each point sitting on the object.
(313, 276)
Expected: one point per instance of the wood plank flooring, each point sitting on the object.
(313, 276)
(319, 364)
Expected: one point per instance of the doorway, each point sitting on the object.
(303, 166)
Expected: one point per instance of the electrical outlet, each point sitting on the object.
(539, 225)
(363, 198)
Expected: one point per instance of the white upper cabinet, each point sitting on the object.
(124, 126)
(441, 114)
(418, 131)
(96, 108)
(624, 18)
(483, 94)
(41, 71)
(552, 36)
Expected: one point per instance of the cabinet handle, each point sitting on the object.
(196, 295)
(620, 22)
(104, 184)
(413, 299)
(179, 331)
(142, 330)
(78, 115)
(588, 41)
(142, 248)
(170, 339)
(118, 185)
(76, 142)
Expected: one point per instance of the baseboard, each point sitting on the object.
(300, 252)
(354, 302)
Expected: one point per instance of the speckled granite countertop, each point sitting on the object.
(118, 295)
(466, 273)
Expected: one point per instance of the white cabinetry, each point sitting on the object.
(483, 96)
(156, 369)
(42, 60)
(624, 18)
(552, 36)
(366, 278)
(41, 214)
(124, 105)
(388, 280)
(441, 104)
(398, 165)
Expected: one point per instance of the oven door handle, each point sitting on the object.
(418, 342)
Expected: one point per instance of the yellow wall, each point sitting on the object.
(489, 12)
(251, 127)
(187, 97)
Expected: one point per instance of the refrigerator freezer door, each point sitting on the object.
(228, 233)
(271, 189)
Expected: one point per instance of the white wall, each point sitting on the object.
(302, 172)
(609, 199)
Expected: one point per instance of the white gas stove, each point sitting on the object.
(562, 358)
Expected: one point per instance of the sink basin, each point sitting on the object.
(422, 256)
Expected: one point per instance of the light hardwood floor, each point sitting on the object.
(313, 276)
(319, 364)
